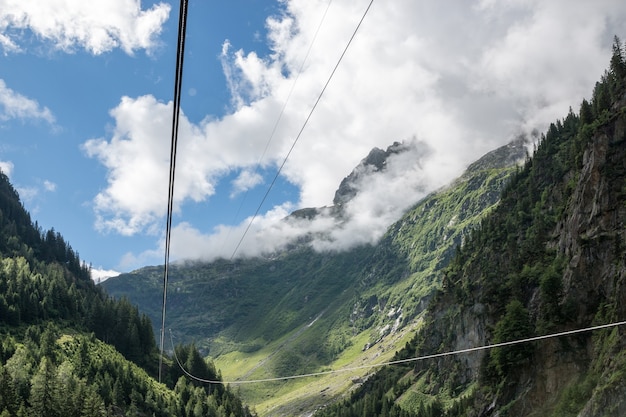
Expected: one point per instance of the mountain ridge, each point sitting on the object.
(341, 299)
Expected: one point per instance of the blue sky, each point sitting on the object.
(85, 110)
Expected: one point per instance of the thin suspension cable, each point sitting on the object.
(400, 361)
(178, 80)
(282, 110)
(306, 121)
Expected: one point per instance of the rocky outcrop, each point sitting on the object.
(592, 237)
(504, 156)
(374, 162)
(578, 217)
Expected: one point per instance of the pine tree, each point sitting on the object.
(586, 113)
(93, 405)
(8, 395)
(43, 398)
(618, 61)
(514, 325)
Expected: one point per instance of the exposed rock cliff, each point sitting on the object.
(574, 226)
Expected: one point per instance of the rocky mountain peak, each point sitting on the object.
(504, 156)
(375, 161)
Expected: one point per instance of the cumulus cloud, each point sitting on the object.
(49, 186)
(463, 77)
(97, 26)
(16, 106)
(245, 181)
(6, 167)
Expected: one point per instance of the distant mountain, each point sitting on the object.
(548, 259)
(68, 349)
(301, 311)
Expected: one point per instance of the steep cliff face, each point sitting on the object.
(591, 236)
(592, 233)
(562, 255)
(589, 368)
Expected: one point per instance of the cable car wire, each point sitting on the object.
(178, 80)
(400, 361)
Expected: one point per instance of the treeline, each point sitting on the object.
(23, 238)
(42, 278)
(68, 349)
(501, 267)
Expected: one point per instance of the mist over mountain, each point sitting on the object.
(378, 191)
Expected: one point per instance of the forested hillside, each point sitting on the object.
(68, 349)
(550, 258)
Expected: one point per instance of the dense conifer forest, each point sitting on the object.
(68, 349)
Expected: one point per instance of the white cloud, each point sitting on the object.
(97, 25)
(28, 194)
(49, 186)
(137, 157)
(16, 106)
(7, 168)
(463, 77)
(245, 181)
(268, 233)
